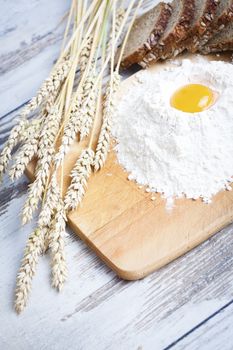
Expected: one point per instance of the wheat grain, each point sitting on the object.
(105, 132)
(45, 154)
(33, 250)
(12, 141)
(79, 175)
(57, 248)
(27, 151)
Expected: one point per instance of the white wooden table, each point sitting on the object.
(186, 305)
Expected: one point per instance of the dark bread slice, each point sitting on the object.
(145, 33)
(177, 29)
(222, 41)
(204, 17)
(224, 15)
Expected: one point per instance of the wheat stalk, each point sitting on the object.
(33, 250)
(27, 151)
(79, 175)
(45, 153)
(12, 141)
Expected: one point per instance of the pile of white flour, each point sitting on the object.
(172, 152)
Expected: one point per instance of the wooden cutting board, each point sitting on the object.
(131, 233)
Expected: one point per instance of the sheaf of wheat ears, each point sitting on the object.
(57, 249)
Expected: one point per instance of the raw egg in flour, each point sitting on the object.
(193, 98)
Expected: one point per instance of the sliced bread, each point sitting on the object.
(222, 41)
(177, 29)
(224, 15)
(145, 33)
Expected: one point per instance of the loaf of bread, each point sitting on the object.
(168, 29)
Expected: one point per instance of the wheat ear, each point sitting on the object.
(27, 151)
(45, 157)
(33, 250)
(81, 118)
(56, 239)
(12, 141)
(85, 54)
(88, 108)
(49, 88)
(49, 204)
(105, 132)
(79, 177)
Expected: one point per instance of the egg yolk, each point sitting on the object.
(193, 98)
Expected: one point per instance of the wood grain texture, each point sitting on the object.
(97, 310)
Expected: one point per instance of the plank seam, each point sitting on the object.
(170, 346)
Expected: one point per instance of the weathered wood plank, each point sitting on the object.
(103, 311)
(30, 37)
(27, 28)
(96, 309)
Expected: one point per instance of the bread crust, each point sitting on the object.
(218, 47)
(155, 35)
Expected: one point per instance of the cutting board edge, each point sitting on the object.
(133, 275)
